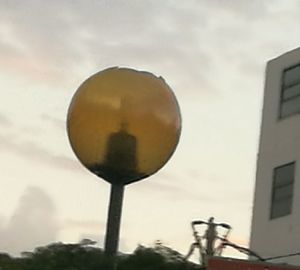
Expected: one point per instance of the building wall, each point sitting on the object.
(279, 145)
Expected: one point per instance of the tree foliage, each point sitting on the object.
(83, 256)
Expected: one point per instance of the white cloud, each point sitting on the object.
(33, 223)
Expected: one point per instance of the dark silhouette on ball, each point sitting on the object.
(120, 164)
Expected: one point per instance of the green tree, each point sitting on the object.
(84, 256)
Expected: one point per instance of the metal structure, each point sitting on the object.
(210, 236)
(211, 243)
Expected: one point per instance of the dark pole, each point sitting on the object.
(113, 221)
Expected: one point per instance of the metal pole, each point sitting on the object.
(113, 221)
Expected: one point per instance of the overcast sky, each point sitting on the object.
(211, 52)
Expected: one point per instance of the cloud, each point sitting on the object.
(43, 57)
(166, 185)
(188, 43)
(58, 123)
(4, 121)
(92, 225)
(136, 34)
(248, 10)
(30, 150)
(33, 223)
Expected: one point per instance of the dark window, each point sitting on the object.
(290, 92)
(282, 190)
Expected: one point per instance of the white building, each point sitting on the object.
(276, 213)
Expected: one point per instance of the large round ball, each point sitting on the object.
(123, 124)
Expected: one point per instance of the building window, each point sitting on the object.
(282, 190)
(290, 92)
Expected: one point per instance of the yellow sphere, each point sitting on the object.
(123, 124)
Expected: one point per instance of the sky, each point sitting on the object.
(212, 53)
